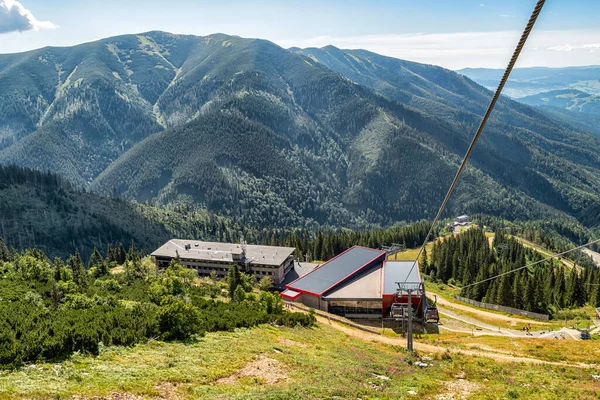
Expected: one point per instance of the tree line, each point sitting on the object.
(548, 287)
(327, 244)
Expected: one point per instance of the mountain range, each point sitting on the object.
(568, 99)
(530, 81)
(275, 137)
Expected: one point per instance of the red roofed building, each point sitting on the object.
(358, 283)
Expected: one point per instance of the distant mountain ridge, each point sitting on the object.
(568, 99)
(278, 138)
(530, 81)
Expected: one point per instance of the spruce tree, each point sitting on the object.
(518, 293)
(528, 300)
(58, 266)
(576, 289)
(504, 296)
(318, 247)
(121, 254)
(424, 261)
(98, 262)
(234, 279)
(78, 270)
(4, 252)
(560, 288)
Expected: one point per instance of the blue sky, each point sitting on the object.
(451, 33)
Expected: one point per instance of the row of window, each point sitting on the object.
(223, 263)
(341, 310)
(204, 268)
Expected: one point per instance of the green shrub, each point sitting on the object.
(110, 284)
(571, 314)
(179, 321)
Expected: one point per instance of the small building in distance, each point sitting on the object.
(359, 283)
(205, 257)
(461, 223)
(463, 219)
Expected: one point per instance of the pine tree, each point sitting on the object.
(424, 261)
(98, 263)
(4, 252)
(504, 296)
(78, 270)
(234, 279)
(121, 254)
(518, 293)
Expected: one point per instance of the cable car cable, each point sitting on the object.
(509, 68)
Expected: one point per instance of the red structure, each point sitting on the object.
(359, 283)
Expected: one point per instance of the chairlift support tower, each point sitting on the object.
(409, 288)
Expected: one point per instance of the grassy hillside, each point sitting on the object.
(297, 363)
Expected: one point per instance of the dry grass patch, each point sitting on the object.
(290, 343)
(458, 390)
(112, 396)
(268, 370)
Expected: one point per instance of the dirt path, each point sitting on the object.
(487, 314)
(493, 330)
(471, 332)
(427, 348)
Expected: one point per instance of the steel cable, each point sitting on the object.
(509, 68)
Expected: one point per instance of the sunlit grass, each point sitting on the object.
(319, 362)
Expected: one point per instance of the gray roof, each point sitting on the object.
(336, 270)
(299, 270)
(397, 271)
(365, 287)
(214, 251)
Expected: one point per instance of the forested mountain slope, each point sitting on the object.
(41, 210)
(277, 139)
(522, 148)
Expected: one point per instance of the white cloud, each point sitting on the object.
(567, 47)
(16, 18)
(471, 49)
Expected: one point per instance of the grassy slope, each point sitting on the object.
(327, 364)
(485, 315)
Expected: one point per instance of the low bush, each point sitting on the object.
(47, 314)
(571, 314)
(179, 320)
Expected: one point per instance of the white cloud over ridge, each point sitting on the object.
(16, 18)
(473, 49)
